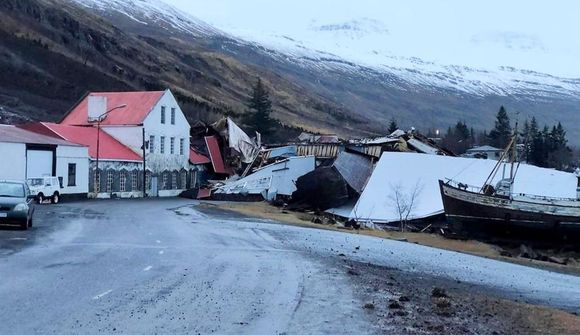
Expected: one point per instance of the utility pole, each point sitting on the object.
(144, 166)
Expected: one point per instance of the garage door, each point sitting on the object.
(39, 163)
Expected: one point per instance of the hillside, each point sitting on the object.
(58, 50)
(61, 49)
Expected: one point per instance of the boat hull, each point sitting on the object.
(464, 209)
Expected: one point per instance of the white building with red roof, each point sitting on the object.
(134, 129)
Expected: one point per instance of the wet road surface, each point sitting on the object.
(161, 266)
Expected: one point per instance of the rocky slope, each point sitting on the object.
(142, 44)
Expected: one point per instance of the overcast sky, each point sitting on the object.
(541, 35)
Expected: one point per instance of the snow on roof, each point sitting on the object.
(423, 147)
(15, 134)
(273, 179)
(139, 104)
(406, 171)
(109, 147)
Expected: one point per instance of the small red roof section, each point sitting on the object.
(139, 105)
(215, 155)
(197, 158)
(109, 147)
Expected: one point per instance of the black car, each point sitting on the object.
(16, 204)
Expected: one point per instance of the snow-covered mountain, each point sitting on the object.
(371, 65)
(370, 43)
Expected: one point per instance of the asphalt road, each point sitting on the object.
(161, 266)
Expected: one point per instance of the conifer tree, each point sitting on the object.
(500, 135)
(260, 107)
(393, 126)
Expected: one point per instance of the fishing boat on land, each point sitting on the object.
(467, 205)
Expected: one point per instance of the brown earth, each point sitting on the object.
(401, 303)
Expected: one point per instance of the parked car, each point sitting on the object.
(45, 188)
(16, 203)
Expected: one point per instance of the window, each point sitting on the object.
(181, 146)
(97, 183)
(110, 181)
(193, 176)
(162, 144)
(151, 144)
(72, 174)
(164, 186)
(172, 145)
(123, 181)
(134, 177)
(162, 114)
(183, 179)
(174, 180)
(172, 115)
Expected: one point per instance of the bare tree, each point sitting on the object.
(405, 201)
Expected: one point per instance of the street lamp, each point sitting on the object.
(100, 119)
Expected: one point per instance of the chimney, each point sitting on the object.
(97, 107)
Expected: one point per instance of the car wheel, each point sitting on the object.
(55, 198)
(40, 198)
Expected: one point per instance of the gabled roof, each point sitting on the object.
(109, 147)
(15, 134)
(139, 105)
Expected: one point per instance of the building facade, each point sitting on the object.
(26, 154)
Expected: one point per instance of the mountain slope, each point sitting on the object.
(142, 44)
(58, 50)
(379, 86)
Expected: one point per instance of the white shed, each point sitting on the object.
(25, 154)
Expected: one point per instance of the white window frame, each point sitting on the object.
(122, 181)
(110, 181)
(181, 146)
(162, 144)
(163, 120)
(173, 115)
(151, 144)
(172, 145)
(134, 180)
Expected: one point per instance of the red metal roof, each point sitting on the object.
(18, 134)
(139, 104)
(215, 155)
(109, 147)
(197, 158)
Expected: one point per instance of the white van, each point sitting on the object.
(44, 188)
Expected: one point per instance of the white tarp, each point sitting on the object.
(278, 178)
(241, 142)
(409, 171)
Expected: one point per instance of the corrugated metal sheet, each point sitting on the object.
(15, 134)
(355, 169)
(274, 179)
(329, 150)
(423, 147)
(139, 104)
(197, 158)
(215, 155)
